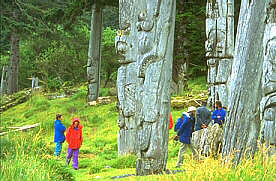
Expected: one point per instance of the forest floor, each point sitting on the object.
(29, 155)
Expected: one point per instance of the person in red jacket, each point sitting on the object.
(74, 140)
(171, 122)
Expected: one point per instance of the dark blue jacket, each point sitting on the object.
(59, 131)
(178, 123)
(185, 129)
(219, 112)
(203, 116)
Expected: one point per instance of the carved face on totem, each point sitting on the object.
(124, 45)
(269, 83)
(144, 25)
(124, 41)
(268, 103)
(215, 44)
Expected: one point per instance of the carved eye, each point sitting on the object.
(142, 16)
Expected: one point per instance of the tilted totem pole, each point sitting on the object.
(268, 103)
(242, 125)
(219, 47)
(94, 53)
(145, 42)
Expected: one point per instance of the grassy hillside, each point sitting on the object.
(29, 155)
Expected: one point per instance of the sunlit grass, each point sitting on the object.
(29, 155)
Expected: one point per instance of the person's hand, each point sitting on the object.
(176, 138)
(203, 126)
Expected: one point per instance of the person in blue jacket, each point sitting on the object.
(219, 114)
(59, 137)
(184, 128)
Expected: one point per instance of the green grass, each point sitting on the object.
(29, 155)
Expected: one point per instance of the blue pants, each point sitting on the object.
(58, 148)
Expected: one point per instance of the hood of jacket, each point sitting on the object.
(76, 120)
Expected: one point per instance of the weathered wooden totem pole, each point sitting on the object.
(219, 47)
(268, 103)
(94, 53)
(146, 45)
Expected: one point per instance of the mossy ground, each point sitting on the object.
(29, 155)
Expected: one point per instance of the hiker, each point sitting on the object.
(171, 121)
(219, 114)
(203, 117)
(59, 137)
(74, 140)
(184, 132)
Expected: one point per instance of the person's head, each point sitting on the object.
(192, 110)
(75, 122)
(203, 103)
(58, 117)
(218, 105)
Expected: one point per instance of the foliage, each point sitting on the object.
(190, 39)
(110, 62)
(54, 38)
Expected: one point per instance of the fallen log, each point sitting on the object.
(23, 128)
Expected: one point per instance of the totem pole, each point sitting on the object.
(155, 55)
(219, 47)
(4, 80)
(126, 46)
(94, 53)
(268, 103)
(145, 43)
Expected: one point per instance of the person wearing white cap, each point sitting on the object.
(184, 132)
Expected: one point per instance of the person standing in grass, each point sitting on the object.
(184, 132)
(74, 140)
(59, 134)
(203, 117)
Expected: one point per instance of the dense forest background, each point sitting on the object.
(53, 41)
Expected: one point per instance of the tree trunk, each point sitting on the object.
(219, 47)
(14, 60)
(243, 120)
(268, 103)
(94, 53)
(146, 48)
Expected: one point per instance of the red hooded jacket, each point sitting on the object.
(74, 136)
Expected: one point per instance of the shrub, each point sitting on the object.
(103, 92)
(81, 94)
